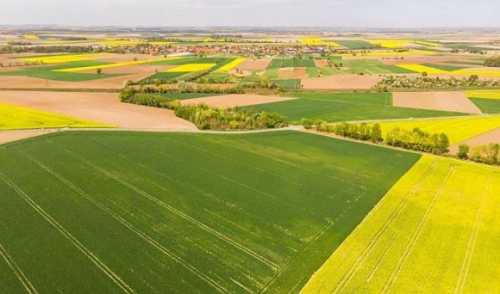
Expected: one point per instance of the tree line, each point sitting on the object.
(489, 154)
(415, 139)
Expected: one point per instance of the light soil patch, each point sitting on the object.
(292, 73)
(228, 101)
(341, 82)
(483, 139)
(11, 136)
(321, 62)
(445, 101)
(254, 64)
(102, 107)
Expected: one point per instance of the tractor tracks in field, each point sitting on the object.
(394, 215)
(117, 280)
(417, 233)
(11, 263)
(177, 212)
(145, 237)
(471, 244)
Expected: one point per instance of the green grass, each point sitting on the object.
(291, 62)
(183, 213)
(344, 107)
(487, 105)
(290, 84)
(371, 66)
(355, 44)
(448, 67)
(436, 231)
(51, 73)
(165, 76)
(313, 72)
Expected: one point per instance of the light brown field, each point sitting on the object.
(254, 64)
(102, 107)
(292, 73)
(445, 101)
(341, 82)
(228, 101)
(11, 136)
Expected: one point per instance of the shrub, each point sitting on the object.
(463, 151)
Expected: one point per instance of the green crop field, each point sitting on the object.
(169, 76)
(291, 62)
(355, 44)
(487, 105)
(371, 66)
(436, 231)
(344, 107)
(289, 84)
(51, 73)
(104, 212)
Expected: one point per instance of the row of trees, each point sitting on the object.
(419, 140)
(208, 118)
(489, 154)
(389, 83)
(415, 139)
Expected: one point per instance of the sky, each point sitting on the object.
(268, 13)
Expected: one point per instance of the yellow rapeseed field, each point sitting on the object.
(465, 72)
(316, 41)
(391, 43)
(484, 94)
(458, 129)
(114, 65)
(55, 59)
(229, 66)
(437, 230)
(192, 67)
(390, 53)
(14, 117)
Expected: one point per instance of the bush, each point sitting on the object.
(463, 151)
(489, 154)
(492, 61)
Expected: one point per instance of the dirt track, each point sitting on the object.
(445, 101)
(341, 82)
(102, 107)
(227, 101)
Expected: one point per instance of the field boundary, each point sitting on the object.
(17, 271)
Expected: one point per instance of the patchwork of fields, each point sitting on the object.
(436, 230)
(134, 212)
(345, 107)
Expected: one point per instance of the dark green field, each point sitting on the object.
(101, 212)
(344, 107)
(355, 44)
(371, 66)
(51, 73)
(487, 105)
(291, 62)
(289, 84)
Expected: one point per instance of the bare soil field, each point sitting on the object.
(228, 101)
(341, 82)
(292, 73)
(11, 136)
(446, 101)
(254, 64)
(102, 107)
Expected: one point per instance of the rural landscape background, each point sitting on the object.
(201, 149)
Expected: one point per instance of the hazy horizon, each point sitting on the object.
(390, 14)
